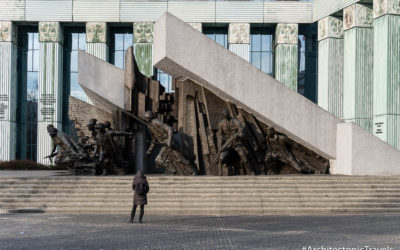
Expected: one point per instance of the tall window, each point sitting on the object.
(301, 58)
(27, 109)
(262, 49)
(165, 80)
(74, 40)
(122, 40)
(218, 34)
(308, 61)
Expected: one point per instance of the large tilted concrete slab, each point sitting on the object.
(182, 51)
(101, 81)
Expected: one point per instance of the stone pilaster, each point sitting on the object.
(286, 60)
(143, 40)
(358, 66)
(97, 40)
(330, 65)
(197, 26)
(50, 84)
(8, 90)
(239, 39)
(386, 86)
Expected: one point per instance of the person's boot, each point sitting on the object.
(132, 216)
(141, 217)
(104, 172)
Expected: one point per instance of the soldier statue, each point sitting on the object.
(170, 157)
(92, 129)
(107, 125)
(277, 144)
(230, 136)
(68, 150)
(105, 147)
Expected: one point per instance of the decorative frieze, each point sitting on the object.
(383, 7)
(357, 15)
(239, 33)
(287, 33)
(330, 27)
(96, 32)
(8, 32)
(197, 26)
(50, 32)
(143, 32)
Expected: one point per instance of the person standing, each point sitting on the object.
(141, 187)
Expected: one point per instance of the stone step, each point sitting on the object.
(202, 204)
(201, 180)
(89, 194)
(205, 195)
(213, 211)
(225, 185)
(208, 190)
(194, 199)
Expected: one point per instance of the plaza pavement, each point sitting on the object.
(63, 231)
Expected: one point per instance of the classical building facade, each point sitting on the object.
(342, 54)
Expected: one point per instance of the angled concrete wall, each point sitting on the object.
(361, 153)
(102, 82)
(182, 51)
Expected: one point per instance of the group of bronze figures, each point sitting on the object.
(100, 152)
(190, 131)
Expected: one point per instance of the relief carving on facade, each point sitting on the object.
(96, 32)
(357, 15)
(330, 27)
(380, 8)
(143, 32)
(197, 26)
(7, 32)
(383, 7)
(239, 33)
(287, 33)
(394, 7)
(50, 32)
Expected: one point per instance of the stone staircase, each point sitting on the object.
(206, 195)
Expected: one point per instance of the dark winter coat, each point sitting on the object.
(139, 180)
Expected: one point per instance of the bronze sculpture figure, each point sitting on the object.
(230, 136)
(170, 157)
(106, 149)
(278, 151)
(68, 150)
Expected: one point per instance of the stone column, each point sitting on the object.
(239, 39)
(50, 84)
(386, 86)
(286, 47)
(330, 65)
(143, 40)
(358, 66)
(8, 90)
(96, 40)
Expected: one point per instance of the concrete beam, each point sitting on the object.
(101, 81)
(182, 51)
